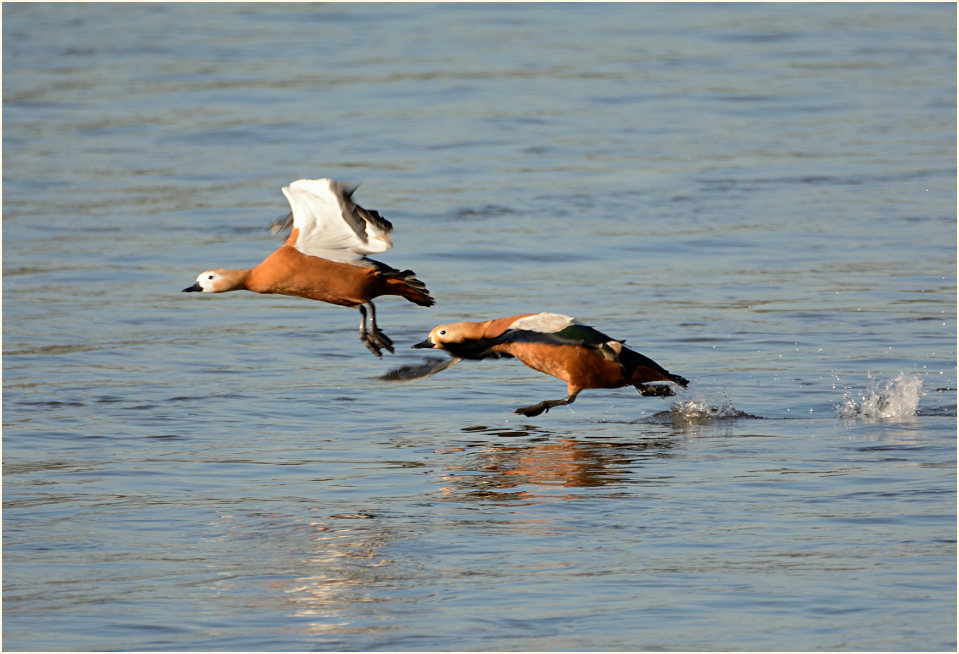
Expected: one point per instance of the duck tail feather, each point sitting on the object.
(405, 284)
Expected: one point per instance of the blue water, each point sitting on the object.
(761, 197)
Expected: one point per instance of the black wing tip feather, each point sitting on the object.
(343, 190)
(375, 218)
(356, 216)
(281, 224)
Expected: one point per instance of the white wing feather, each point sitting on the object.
(318, 206)
(545, 323)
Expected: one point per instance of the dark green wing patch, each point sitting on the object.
(583, 334)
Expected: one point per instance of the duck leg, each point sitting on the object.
(374, 339)
(545, 405)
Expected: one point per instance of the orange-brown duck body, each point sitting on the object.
(557, 345)
(287, 271)
(325, 221)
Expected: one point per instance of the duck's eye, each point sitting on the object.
(442, 332)
(209, 276)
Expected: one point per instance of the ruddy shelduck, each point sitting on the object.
(558, 345)
(325, 259)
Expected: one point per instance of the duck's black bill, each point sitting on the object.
(423, 344)
(196, 288)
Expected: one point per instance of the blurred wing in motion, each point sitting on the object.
(428, 368)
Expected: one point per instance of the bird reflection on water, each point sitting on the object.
(505, 471)
(353, 582)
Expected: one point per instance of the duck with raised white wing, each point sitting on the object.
(325, 258)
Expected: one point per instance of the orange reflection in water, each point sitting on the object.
(502, 471)
(335, 571)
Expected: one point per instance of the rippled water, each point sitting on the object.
(762, 198)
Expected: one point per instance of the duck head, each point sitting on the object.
(217, 281)
(443, 335)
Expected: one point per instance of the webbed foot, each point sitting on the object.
(545, 405)
(658, 390)
(534, 410)
(381, 339)
(375, 341)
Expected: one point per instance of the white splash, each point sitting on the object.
(701, 411)
(894, 399)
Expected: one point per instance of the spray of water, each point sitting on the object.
(892, 399)
(700, 411)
